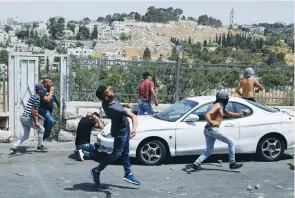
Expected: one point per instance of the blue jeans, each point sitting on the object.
(89, 150)
(48, 123)
(145, 106)
(212, 134)
(121, 147)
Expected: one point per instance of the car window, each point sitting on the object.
(207, 107)
(264, 107)
(238, 108)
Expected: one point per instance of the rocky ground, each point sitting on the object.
(56, 174)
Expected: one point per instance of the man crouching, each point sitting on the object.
(84, 147)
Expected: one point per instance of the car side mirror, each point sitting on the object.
(192, 118)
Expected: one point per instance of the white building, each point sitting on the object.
(3, 36)
(80, 51)
(68, 33)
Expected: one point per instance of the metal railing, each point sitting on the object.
(175, 80)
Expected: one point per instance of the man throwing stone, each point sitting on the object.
(121, 132)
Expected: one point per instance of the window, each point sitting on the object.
(238, 108)
(207, 107)
(176, 111)
(264, 107)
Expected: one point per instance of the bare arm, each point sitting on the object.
(134, 123)
(154, 95)
(34, 114)
(232, 114)
(238, 89)
(260, 87)
(214, 109)
(49, 97)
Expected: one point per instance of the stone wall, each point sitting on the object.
(73, 112)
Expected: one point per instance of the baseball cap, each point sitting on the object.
(146, 74)
(40, 87)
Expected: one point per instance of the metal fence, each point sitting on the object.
(175, 80)
(3, 88)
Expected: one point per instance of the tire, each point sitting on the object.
(270, 145)
(152, 152)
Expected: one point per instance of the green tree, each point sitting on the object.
(271, 58)
(86, 21)
(4, 57)
(56, 27)
(183, 17)
(219, 40)
(189, 40)
(49, 44)
(7, 28)
(71, 26)
(21, 34)
(83, 33)
(147, 54)
(94, 32)
(100, 19)
(205, 43)
(62, 50)
(47, 65)
(123, 36)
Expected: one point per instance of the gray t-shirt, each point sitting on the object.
(118, 115)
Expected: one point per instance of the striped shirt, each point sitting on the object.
(34, 101)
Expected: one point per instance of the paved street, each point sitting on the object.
(55, 174)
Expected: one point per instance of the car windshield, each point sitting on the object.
(264, 107)
(176, 111)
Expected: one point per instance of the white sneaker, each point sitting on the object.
(80, 155)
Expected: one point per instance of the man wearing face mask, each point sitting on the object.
(248, 83)
(121, 132)
(212, 133)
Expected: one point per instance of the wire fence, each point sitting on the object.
(175, 80)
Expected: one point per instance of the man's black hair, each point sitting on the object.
(96, 114)
(145, 75)
(100, 92)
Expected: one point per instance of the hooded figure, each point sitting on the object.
(222, 98)
(249, 72)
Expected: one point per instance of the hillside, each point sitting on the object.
(157, 39)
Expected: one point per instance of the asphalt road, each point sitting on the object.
(55, 174)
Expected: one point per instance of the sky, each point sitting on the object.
(246, 12)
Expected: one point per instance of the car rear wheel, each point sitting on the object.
(270, 148)
(152, 152)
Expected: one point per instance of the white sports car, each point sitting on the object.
(178, 131)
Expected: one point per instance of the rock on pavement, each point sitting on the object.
(5, 136)
(64, 136)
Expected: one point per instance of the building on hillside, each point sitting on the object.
(80, 51)
(68, 34)
(3, 37)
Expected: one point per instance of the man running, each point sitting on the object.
(212, 133)
(29, 120)
(47, 106)
(83, 145)
(247, 84)
(145, 93)
(120, 130)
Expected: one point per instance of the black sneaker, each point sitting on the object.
(95, 173)
(235, 165)
(196, 167)
(41, 148)
(12, 151)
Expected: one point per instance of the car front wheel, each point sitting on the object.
(152, 152)
(270, 148)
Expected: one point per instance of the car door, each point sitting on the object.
(189, 135)
(230, 127)
(190, 139)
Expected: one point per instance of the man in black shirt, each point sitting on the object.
(83, 145)
(121, 132)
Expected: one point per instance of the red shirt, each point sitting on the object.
(145, 90)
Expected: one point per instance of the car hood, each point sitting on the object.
(146, 123)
